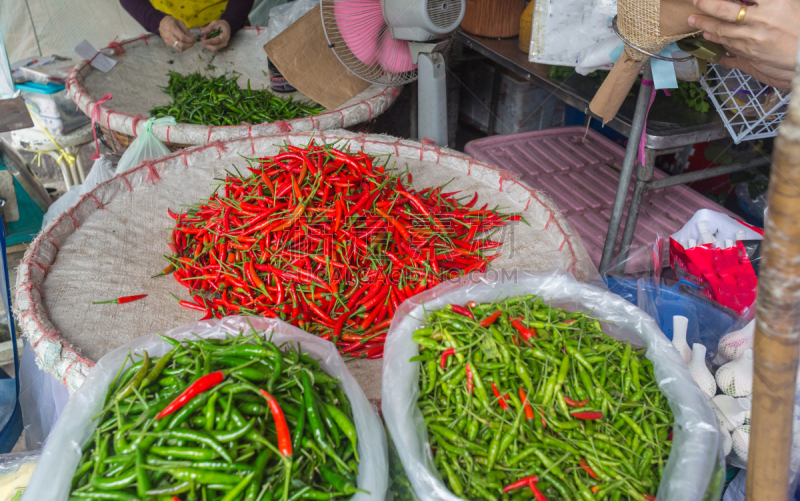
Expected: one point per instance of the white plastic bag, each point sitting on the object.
(52, 479)
(695, 467)
(102, 171)
(145, 146)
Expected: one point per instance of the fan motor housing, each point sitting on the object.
(422, 20)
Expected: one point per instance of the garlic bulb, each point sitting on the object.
(733, 345)
(732, 412)
(736, 378)
(741, 440)
(679, 326)
(700, 372)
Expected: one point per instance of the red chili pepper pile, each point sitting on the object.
(328, 241)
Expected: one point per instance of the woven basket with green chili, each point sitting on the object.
(234, 419)
(198, 99)
(525, 400)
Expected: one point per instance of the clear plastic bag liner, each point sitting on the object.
(708, 320)
(283, 16)
(259, 15)
(145, 147)
(42, 399)
(12, 461)
(62, 452)
(102, 171)
(695, 468)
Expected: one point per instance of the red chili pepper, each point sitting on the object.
(537, 494)
(396, 260)
(575, 403)
(166, 271)
(588, 415)
(523, 482)
(193, 306)
(541, 415)
(587, 468)
(122, 300)
(203, 384)
(445, 354)
(470, 384)
(282, 430)
(398, 225)
(486, 322)
(528, 409)
(648, 497)
(462, 311)
(375, 352)
(523, 331)
(252, 276)
(501, 399)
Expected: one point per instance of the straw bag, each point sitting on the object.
(650, 25)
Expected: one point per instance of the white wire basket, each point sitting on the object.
(749, 109)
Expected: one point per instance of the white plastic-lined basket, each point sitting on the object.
(749, 109)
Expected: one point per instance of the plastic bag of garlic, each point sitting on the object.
(730, 386)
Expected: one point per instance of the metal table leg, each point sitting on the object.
(629, 161)
(644, 174)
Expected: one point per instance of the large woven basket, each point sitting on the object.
(136, 80)
(111, 241)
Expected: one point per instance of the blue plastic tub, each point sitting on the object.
(708, 321)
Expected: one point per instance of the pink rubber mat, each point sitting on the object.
(581, 177)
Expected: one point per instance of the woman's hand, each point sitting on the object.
(764, 73)
(768, 34)
(175, 33)
(219, 41)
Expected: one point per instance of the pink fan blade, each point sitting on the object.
(360, 23)
(394, 55)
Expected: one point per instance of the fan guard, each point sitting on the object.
(370, 72)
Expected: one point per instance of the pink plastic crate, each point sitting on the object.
(581, 176)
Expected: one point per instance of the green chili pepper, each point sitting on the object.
(315, 421)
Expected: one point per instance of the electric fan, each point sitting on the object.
(394, 42)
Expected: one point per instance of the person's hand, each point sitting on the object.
(175, 33)
(768, 75)
(767, 36)
(219, 41)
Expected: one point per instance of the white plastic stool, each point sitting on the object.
(37, 141)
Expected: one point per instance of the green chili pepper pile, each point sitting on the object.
(520, 398)
(234, 419)
(198, 99)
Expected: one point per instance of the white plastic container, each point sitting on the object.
(51, 107)
(521, 105)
